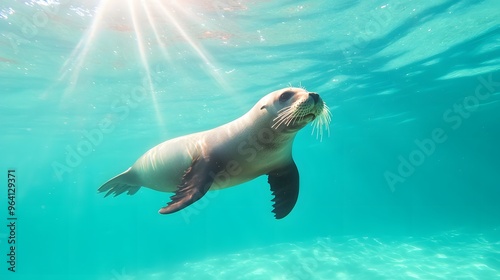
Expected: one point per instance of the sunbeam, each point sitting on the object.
(204, 57)
(163, 47)
(144, 60)
(73, 65)
(142, 19)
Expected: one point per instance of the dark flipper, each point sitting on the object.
(194, 185)
(285, 187)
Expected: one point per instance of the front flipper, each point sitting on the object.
(285, 187)
(194, 185)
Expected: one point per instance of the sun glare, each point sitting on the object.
(142, 53)
(73, 65)
(149, 23)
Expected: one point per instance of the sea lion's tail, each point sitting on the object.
(119, 184)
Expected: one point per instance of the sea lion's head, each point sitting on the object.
(293, 108)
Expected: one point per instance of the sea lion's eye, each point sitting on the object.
(286, 95)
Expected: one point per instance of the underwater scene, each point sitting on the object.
(260, 139)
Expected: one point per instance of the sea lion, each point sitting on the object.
(257, 143)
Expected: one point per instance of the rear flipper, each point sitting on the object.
(120, 184)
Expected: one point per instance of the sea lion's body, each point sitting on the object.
(255, 144)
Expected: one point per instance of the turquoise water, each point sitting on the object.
(405, 187)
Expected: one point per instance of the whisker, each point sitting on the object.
(287, 118)
(321, 122)
(283, 111)
(283, 116)
(292, 117)
(295, 114)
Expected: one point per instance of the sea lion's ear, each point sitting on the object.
(263, 107)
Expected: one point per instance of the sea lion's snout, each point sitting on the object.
(297, 107)
(314, 96)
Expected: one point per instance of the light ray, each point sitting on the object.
(163, 47)
(171, 13)
(75, 61)
(212, 69)
(144, 60)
